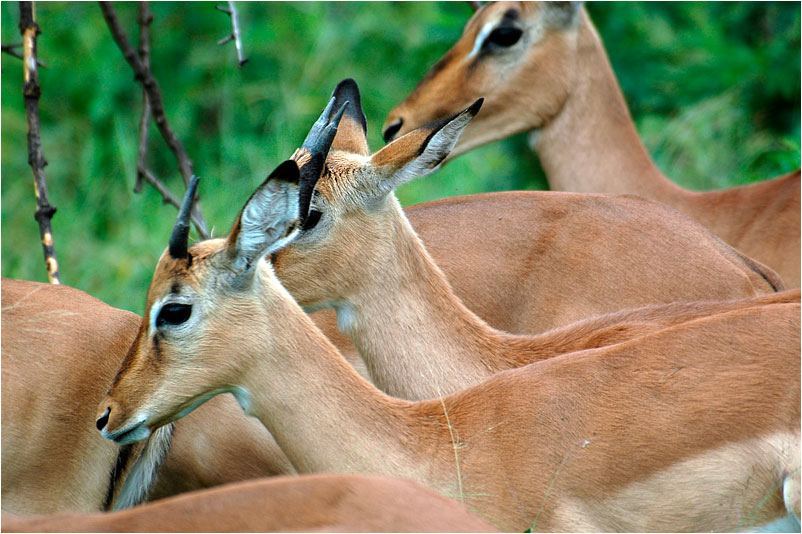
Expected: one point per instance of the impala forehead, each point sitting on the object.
(340, 173)
(177, 278)
(494, 12)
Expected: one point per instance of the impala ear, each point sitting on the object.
(353, 129)
(421, 151)
(269, 221)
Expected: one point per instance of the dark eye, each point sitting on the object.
(504, 36)
(173, 314)
(312, 219)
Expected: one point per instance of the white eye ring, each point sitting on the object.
(154, 313)
(480, 38)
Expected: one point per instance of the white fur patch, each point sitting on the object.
(345, 316)
(138, 483)
(154, 313)
(243, 397)
(480, 38)
(265, 219)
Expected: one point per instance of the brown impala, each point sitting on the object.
(541, 67)
(359, 254)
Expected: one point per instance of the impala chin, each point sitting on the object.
(130, 434)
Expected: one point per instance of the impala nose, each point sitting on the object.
(392, 129)
(103, 420)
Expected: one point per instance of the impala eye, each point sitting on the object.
(173, 314)
(504, 36)
(312, 219)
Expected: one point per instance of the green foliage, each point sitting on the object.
(714, 89)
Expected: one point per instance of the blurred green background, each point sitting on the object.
(714, 89)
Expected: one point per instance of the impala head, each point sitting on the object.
(203, 301)
(519, 56)
(354, 209)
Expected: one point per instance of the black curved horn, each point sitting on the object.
(319, 126)
(318, 143)
(179, 239)
(322, 134)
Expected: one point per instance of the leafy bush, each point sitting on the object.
(714, 89)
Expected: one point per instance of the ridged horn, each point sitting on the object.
(179, 239)
(318, 143)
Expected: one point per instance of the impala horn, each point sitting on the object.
(475, 5)
(180, 236)
(317, 142)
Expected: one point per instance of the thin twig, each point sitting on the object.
(36, 158)
(145, 18)
(10, 49)
(168, 197)
(235, 31)
(144, 76)
(143, 173)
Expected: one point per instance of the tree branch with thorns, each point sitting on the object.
(36, 158)
(235, 31)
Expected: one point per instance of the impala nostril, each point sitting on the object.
(103, 419)
(391, 130)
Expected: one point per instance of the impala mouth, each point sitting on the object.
(132, 434)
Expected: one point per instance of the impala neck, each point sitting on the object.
(592, 146)
(416, 337)
(296, 382)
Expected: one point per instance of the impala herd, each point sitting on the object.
(570, 361)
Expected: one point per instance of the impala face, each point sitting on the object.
(508, 52)
(200, 308)
(353, 212)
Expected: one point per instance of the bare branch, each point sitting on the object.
(235, 31)
(168, 197)
(10, 49)
(145, 77)
(36, 158)
(145, 18)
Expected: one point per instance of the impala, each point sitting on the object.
(314, 503)
(58, 346)
(694, 427)
(60, 349)
(541, 67)
(358, 254)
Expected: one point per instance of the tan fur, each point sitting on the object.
(485, 285)
(61, 348)
(416, 337)
(313, 503)
(534, 447)
(558, 82)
